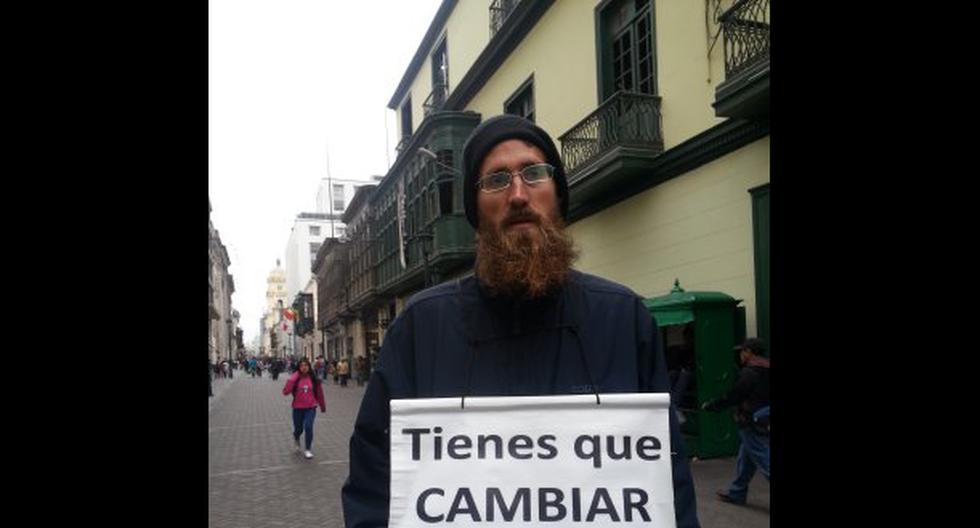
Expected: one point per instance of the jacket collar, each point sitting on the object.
(514, 316)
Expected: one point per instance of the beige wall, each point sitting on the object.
(685, 79)
(419, 91)
(696, 228)
(467, 32)
(560, 52)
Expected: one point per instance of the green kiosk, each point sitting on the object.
(698, 332)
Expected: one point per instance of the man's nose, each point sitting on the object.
(518, 193)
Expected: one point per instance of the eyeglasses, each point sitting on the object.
(532, 175)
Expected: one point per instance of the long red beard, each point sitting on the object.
(519, 264)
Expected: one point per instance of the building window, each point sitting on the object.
(338, 198)
(522, 102)
(627, 59)
(445, 182)
(440, 75)
(407, 118)
(314, 248)
(314, 230)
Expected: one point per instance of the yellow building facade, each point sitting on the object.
(660, 109)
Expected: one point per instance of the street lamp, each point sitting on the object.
(435, 158)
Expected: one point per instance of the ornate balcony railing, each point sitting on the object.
(435, 100)
(499, 11)
(625, 119)
(402, 143)
(746, 30)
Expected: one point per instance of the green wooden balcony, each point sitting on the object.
(418, 208)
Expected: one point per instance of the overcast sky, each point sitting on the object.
(287, 80)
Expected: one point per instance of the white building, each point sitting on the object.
(332, 198)
(310, 229)
(305, 238)
(274, 295)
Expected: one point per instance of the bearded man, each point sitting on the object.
(525, 323)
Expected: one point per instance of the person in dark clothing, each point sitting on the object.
(275, 368)
(318, 367)
(750, 396)
(524, 324)
(363, 370)
(210, 391)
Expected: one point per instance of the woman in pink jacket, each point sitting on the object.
(307, 392)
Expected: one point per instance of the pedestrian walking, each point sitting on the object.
(750, 395)
(343, 368)
(318, 367)
(307, 392)
(363, 370)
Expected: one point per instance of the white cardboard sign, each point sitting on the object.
(532, 461)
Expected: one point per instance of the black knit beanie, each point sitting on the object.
(493, 131)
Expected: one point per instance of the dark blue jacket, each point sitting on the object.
(455, 339)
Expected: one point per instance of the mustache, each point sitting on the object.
(522, 215)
